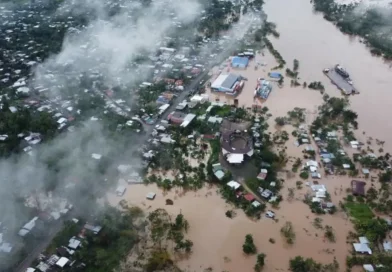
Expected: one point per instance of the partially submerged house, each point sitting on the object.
(358, 187)
(362, 246)
(151, 196)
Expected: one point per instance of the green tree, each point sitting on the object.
(259, 262)
(249, 247)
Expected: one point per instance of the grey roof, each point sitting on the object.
(229, 81)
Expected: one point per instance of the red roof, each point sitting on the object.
(249, 197)
(261, 176)
(208, 136)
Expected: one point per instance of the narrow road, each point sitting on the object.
(40, 247)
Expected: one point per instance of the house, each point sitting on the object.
(362, 248)
(219, 174)
(318, 187)
(256, 204)
(358, 187)
(166, 139)
(43, 267)
(316, 175)
(354, 144)
(151, 196)
(218, 171)
(215, 120)
(263, 174)
(73, 243)
(326, 205)
(249, 197)
(5, 247)
(363, 240)
(229, 84)
(266, 193)
(312, 165)
(176, 117)
(28, 227)
(368, 268)
(120, 190)
(94, 229)
(387, 245)
(233, 185)
(188, 119)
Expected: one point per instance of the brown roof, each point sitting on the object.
(358, 187)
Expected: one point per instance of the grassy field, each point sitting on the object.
(359, 211)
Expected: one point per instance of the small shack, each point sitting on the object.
(239, 62)
(275, 75)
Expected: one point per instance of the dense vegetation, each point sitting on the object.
(105, 250)
(300, 264)
(249, 247)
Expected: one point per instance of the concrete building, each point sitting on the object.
(229, 84)
(236, 145)
(239, 62)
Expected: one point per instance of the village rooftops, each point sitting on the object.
(362, 248)
(120, 190)
(73, 243)
(249, 197)
(188, 119)
(368, 268)
(233, 185)
(94, 229)
(62, 262)
(235, 158)
(358, 187)
(387, 245)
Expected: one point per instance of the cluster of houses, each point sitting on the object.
(63, 257)
(234, 185)
(363, 247)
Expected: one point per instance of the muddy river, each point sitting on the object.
(318, 44)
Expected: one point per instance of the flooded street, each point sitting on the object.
(318, 44)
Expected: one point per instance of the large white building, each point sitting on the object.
(229, 83)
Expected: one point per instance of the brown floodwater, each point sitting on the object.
(318, 44)
(218, 240)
